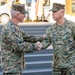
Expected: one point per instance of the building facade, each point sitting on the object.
(69, 6)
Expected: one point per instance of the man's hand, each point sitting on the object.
(44, 36)
(39, 46)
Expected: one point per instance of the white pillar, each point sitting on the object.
(9, 2)
(32, 13)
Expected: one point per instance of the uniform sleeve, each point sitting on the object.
(73, 28)
(17, 44)
(47, 41)
(31, 38)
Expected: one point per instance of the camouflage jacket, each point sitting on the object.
(63, 40)
(13, 47)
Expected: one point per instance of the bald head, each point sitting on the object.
(14, 13)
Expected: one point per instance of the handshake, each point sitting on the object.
(38, 46)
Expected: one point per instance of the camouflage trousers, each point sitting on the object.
(12, 73)
(63, 71)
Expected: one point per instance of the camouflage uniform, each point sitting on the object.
(13, 48)
(63, 40)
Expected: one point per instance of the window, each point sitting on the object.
(73, 6)
(2, 3)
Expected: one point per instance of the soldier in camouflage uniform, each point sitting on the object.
(62, 36)
(13, 46)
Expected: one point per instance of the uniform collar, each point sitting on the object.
(61, 26)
